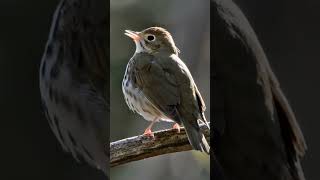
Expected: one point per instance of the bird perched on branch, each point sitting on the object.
(159, 86)
(74, 80)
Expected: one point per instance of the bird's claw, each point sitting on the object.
(177, 127)
(148, 133)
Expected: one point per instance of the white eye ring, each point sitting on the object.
(150, 37)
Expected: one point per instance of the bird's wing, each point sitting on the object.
(202, 106)
(167, 83)
(156, 82)
(164, 81)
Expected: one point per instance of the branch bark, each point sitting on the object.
(141, 147)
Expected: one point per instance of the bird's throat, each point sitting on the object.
(140, 47)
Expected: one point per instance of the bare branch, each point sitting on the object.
(141, 147)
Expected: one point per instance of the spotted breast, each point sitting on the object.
(135, 98)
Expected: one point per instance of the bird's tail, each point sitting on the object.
(196, 138)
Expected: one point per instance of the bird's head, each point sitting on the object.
(153, 40)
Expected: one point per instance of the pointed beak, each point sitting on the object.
(134, 35)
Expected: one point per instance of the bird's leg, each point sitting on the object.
(148, 131)
(177, 127)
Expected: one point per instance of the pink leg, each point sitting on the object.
(177, 127)
(148, 131)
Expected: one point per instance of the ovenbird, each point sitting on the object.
(159, 86)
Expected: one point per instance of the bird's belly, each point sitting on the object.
(138, 102)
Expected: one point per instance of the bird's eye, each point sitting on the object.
(151, 37)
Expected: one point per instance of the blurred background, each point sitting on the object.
(289, 33)
(189, 23)
(28, 147)
(288, 30)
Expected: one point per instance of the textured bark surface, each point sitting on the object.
(141, 147)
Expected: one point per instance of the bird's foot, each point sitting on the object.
(177, 127)
(148, 133)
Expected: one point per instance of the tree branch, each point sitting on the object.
(141, 147)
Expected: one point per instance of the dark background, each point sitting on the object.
(29, 149)
(288, 31)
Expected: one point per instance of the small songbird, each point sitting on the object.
(159, 86)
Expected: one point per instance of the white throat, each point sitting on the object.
(140, 46)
